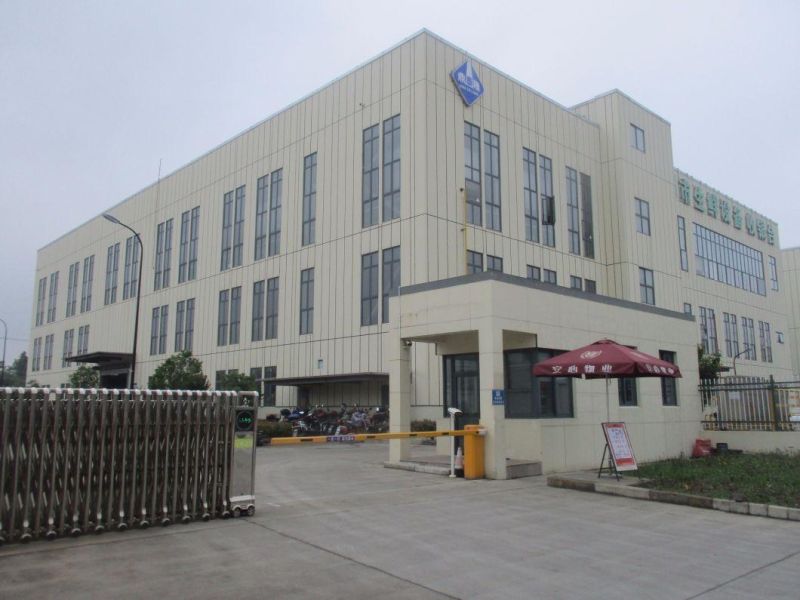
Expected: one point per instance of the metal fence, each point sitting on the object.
(76, 461)
(750, 404)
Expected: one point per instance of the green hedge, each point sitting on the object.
(275, 428)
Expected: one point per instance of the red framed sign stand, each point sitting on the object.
(619, 450)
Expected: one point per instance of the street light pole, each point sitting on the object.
(131, 376)
(746, 349)
(5, 337)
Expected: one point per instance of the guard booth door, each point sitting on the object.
(462, 389)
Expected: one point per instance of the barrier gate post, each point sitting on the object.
(244, 460)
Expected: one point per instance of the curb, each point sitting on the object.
(627, 491)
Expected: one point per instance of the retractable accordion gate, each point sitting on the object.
(74, 461)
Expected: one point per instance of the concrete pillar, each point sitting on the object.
(493, 418)
(399, 394)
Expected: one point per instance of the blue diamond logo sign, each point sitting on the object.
(469, 86)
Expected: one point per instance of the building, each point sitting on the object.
(791, 279)
(314, 249)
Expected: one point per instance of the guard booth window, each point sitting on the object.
(529, 397)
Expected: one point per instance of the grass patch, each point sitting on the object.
(768, 478)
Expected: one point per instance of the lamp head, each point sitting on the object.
(111, 218)
(454, 411)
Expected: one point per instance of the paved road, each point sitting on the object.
(333, 523)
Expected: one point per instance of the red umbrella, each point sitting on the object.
(605, 359)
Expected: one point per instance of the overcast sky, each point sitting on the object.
(94, 94)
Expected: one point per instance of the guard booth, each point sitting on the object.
(74, 461)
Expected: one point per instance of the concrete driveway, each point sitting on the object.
(333, 523)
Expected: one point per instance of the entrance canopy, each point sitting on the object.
(326, 379)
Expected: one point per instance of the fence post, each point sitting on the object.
(773, 404)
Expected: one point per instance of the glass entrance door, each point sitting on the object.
(462, 387)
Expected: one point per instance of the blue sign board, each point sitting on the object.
(469, 86)
(498, 397)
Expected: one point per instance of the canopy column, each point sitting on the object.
(493, 417)
(399, 394)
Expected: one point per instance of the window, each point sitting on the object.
(642, 216)
(222, 318)
(779, 336)
(257, 328)
(262, 214)
(749, 338)
(587, 216)
(275, 193)
(238, 228)
(529, 195)
(83, 339)
(722, 259)
(637, 137)
(529, 397)
(766, 341)
(130, 285)
(310, 199)
(36, 361)
(48, 352)
(627, 391)
(534, 273)
(72, 289)
(236, 314)
(52, 299)
(472, 172)
(369, 289)
(158, 330)
(232, 229)
(647, 289)
(773, 272)
(307, 301)
(391, 278)
(69, 337)
(573, 217)
(391, 168)
(190, 232)
(265, 390)
(86, 287)
(474, 262)
(687, 308)
(708, 330)
(227, 232)
(669, 387)
(180, 319)
(575, 283)
(682, 243)
(271, 322)
(550, 277)
(492, 191)
(229, 316)
(590, 286)
(369, 176)
(112, 272)
(188, 328)
(548, 201)
(731, 335)
(163, 255)
(40, 296)
(494, 263)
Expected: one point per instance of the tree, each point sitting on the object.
(710, 364)
(85, 377)
(180, 371)
(237, 382)
(14, 376)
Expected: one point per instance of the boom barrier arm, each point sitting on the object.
(368, 437)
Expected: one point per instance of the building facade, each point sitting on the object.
(281, 253)
(791, 278)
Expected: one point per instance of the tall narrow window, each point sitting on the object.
(72, 289)
(773, 272)
(270, 388)
(391, 168)
(154, 330)
(307, 301)
(529, 196)
(669, 386)
(472, 172)
(749, 338)
(369, 289)
(52, 298)
(766, 341)
(112, 273)
(391, 277)
(227, 232)
(310, 198)
(83, 339)
(494, 263)
(731, 335)
(492, 184)
(222, 318)
(86, 287)
(275, 192)
(194, 242)
(48, 352)
(180, 317)
(271, 322)
(183, 249)
(41, 294)
(474, 262)
(573, 215)
(548, 201)
(708, 330)
(262, 214)
(163, 255)
(236, 314)
(587, 217)
(238, 227)
(188, 335)
(637, 137)
(162, 331)
(257, 328)
(131, 277)
(184, 325)
(370, 175)
(187, 258)
(36, 361)
(647, 289)
(642, 216)
(682, 243)
(69, 337)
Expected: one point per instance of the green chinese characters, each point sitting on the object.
(711, 204)
(750, 223)
(699, 199)
(770, 234)
(737, 216)
(725, 210)
(683, 191)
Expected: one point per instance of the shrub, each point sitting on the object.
(423, 425)
(271, 429)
